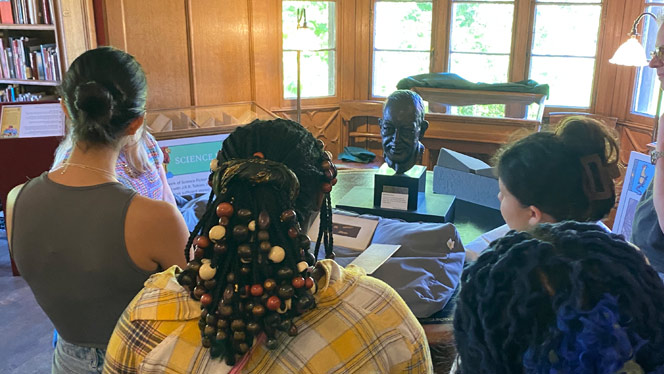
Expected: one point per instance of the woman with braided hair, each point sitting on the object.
(565, 298)
(253, 299)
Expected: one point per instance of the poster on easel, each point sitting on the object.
(187, 162)
(32, 121)
(638, 176)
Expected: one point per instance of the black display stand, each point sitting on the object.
(387, 180)
(431, 208)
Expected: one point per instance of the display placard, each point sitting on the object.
(187, 162)
(32, 121)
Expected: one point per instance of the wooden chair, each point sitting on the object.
(348, 110)
(368, 111)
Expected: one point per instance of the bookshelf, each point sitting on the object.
(31, 54)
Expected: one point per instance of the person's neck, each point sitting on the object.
(103, 158)
(87, 166)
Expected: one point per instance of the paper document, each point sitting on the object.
(348, 231)
(374, 256)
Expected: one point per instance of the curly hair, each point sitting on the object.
(549, 170)
(252, 266)
(527, 296)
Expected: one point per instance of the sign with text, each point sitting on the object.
(187, 162)
(32, 121)
(638, 176)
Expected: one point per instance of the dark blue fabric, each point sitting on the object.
(425, 271)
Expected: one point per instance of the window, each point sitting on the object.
(480, 40)
(480, 43)
(563, 56)
(318, 58)
(646, 87)
(557, 45)
(402, 42)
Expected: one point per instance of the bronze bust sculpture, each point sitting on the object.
(401, 129)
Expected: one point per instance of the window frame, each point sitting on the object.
(520, 50)
(321, 100)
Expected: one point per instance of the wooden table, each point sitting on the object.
(470, 220)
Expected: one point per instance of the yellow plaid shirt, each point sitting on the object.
(360, 325)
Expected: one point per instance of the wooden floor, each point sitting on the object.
(25, 331)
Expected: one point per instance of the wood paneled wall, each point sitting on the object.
(194, 52)
(201, 52)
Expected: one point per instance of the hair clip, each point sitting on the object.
(596, 181)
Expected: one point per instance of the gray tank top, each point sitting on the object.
(69, 245)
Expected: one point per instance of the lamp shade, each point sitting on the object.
(306, 39)
(630, 53)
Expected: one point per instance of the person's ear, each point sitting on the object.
(135, 124)
(64, 109)
(424, 125)
(536, 216)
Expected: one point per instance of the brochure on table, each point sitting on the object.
(32, 121)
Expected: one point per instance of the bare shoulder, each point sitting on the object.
(13, 194)
(152, 214)
(157, 229)
(9, 208)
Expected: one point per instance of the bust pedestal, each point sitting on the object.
(398, 191)
(407, 187)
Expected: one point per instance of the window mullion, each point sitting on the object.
(522, 34)
(439, 35)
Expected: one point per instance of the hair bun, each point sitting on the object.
(94, 99)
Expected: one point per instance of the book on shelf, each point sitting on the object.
(30, 12)
(6, 15)
(27, 58)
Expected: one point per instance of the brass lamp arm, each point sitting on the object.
(636, 22)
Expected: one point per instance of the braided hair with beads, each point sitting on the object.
(252, 270)
(565, 298)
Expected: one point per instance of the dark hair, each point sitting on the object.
(555, 172)
(406, 96)
(527, 298)
(266, 180)
(104, 90)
